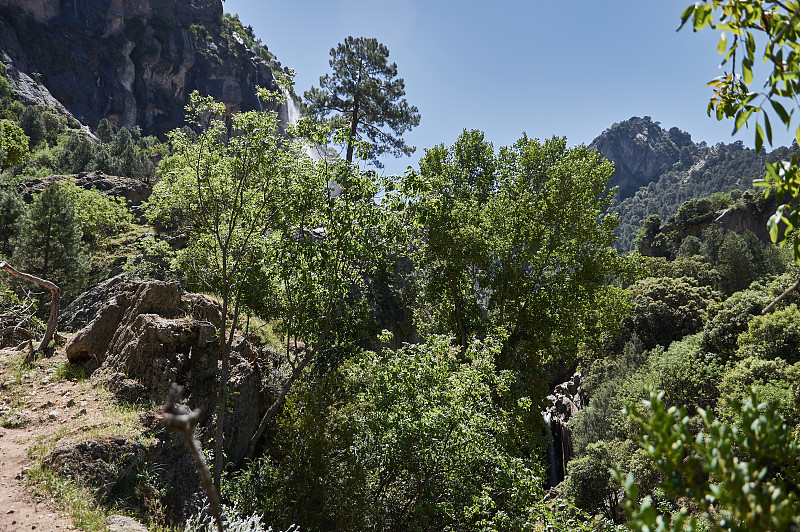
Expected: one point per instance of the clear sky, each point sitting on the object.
(507, 67)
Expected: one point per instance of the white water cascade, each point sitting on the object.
(293, 116)
(314, 151)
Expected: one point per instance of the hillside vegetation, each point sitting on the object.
(471, 346)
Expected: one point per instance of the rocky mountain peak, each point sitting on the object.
(641, 150)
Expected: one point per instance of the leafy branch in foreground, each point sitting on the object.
(773, 25)
(740, 477)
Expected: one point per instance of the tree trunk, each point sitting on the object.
(353, 130)
(55, 303)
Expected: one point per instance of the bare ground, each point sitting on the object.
(36, 408)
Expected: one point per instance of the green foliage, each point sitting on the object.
(101, 216)
(774, 381)
(775, 335)
(411, 439)
(665, 309)
(13, 144)
(592, 485)
(49, 243)
(731, 318)
(515, 241)
(124, 153)
(366, 100)
(740, 478)
(32, 125)
(155, 259)
(12, 209)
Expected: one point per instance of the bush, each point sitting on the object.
(730, 319)
(666, 309)
(775, 335)
(412, 439)
(774, 381)
(101, 216)
(741, 479)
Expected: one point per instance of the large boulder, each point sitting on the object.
(149, 334)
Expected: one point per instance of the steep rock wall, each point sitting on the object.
(132, 61)
(640, 150)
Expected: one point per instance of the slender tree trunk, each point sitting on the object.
(462, 333)
(353, 129)
(223, 386)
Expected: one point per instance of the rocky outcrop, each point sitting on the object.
(133, 191)
(564, 402)
(149, 334)
(132, 61)
(641, 151)
(750, 216)
(97, 463)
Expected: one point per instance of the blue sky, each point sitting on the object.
(507, 67)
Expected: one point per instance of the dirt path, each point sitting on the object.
(18, 509)
(33, 405)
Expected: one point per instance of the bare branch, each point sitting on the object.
(54, 304)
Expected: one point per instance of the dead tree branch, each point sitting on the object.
(182, 420)
(54, 303)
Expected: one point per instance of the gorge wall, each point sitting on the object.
(132, 61)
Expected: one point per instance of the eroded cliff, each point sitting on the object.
(131, 61)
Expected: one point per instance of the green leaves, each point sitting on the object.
(776, 27)
(722, 469)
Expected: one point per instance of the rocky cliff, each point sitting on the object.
(131, 61)
(641, 151)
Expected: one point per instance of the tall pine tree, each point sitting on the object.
(364, 99)
(49, 243)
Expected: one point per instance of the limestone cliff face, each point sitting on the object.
(131, 61)
(640, 150)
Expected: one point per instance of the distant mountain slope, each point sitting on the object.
(131, 61)
(641, 151)
(658, 170)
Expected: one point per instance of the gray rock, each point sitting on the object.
(144, 58)
(121, 523)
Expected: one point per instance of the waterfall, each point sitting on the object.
(292, 110)
(552, 479)
(293, 116)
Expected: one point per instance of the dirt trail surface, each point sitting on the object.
(35, 405)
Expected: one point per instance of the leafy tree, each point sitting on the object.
(666, 309)
(730, 319)
(411, 439)
(32, 124)
(515, 241)
(228, 192)
(13, 144)
(740, 478)
(774, 381)
(12, 209)
(49, 243)
(734, 264)
(264, 225)
(101, 216)
(591, 483)
(365, 98)
(774, 335)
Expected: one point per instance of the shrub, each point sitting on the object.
(411, 439)
(666, 309)
(775, 335)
